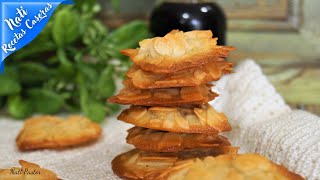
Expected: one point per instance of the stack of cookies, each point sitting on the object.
(169, 88)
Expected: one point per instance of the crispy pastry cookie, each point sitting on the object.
(54, 132)
(202, 119)
(162, 141)
(226, 167)
(137, 164)
(211, 71)
(27, 171)
(177, 51)
(165, 96)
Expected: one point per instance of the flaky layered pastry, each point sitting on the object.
(162, 141)
(176, 51)
(226, 167)
(54, 132)
(202, 119)
(164, 96)
(137, 164)
(27, 171)
(211, 71)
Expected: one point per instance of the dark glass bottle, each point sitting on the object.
(188, 15)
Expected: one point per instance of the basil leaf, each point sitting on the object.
(91, 108)
(105, 86)
(83, 92)
(95, 33)
(65, 28)
(45, 101)
(66, 69)
(18, 108)
(32, 73)
(2, 101)
(87, 7)
(8, 85)
(112, 108)
(88, 71)
(95, 111)
(12, 72)
(127, 36)
(94, 37)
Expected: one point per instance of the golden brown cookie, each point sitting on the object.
(137, 164)
(209, 72)
(226, 167)
(27, 171)
(162, 141)
(165, 96)
(53, 132)
(177, 51)
(203, 119)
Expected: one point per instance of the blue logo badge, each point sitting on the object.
(22, 21)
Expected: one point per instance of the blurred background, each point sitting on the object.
(74, 64)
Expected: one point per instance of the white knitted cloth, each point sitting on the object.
(261, 122)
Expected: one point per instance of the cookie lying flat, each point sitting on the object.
(202, 119)
(164, 97)
(137, 164)
(226, 167)
(162, 141)
(27, 171)
(209, 72)
(177, 51)
(54, 132)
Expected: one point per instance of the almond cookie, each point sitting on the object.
(209, 72)
(177, 51)
(203, 119)
(226, 167)
(162, 141)
(27, 171)
(53, 132)
(137, 164)
(165, 96)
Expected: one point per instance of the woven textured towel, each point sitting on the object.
(261, 122)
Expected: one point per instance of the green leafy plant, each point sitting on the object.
(71, 66)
